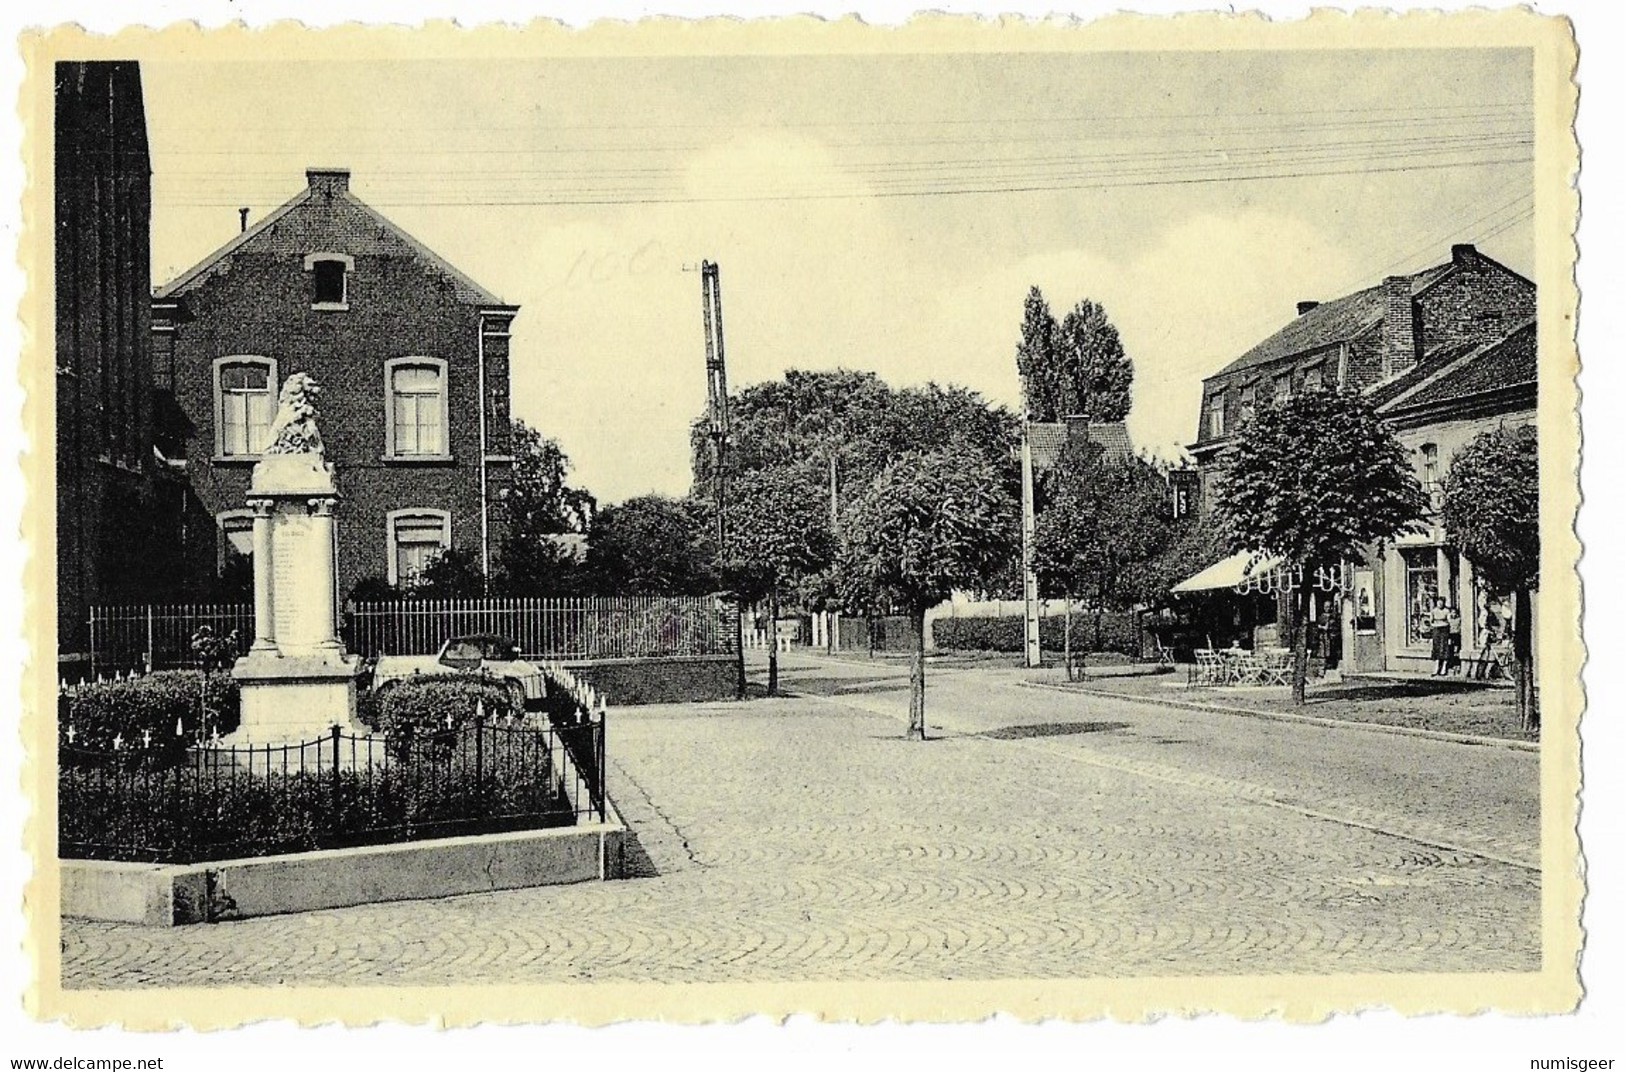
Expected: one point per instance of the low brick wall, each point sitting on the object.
(683, 679)
(163, 895)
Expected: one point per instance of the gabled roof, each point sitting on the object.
(1508, 362)
(339, 222)
(1330, 323)
(1048, 439)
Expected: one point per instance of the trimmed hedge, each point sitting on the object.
(436, 704)
(146, 711)
(209, 810)
(1117, 633)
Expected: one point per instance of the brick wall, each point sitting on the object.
(106, 510)
(259, 302)
(1478, 303)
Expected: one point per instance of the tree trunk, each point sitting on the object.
(1066, 639)
(1300, 637)
(773, 642)
(916, 680)
(1523, 652)
(1100, 607)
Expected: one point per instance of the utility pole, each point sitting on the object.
(716, 386)
(832, 619)
(1029, 533)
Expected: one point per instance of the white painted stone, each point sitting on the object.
(297, 681)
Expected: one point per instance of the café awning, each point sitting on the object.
(1230, 572)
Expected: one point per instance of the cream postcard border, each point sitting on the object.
(1554, 988)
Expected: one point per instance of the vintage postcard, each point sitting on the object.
(1111, 553)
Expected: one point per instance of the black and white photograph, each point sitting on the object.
(1112, 549)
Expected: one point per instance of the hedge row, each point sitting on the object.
(1118, 633)
(204, 811)
(163, 712)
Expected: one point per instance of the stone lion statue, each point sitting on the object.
(294, 431)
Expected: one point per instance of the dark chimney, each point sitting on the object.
(1462, 253)
(1398, 326)
(242, 219)
(328, 181)
(1305, 306)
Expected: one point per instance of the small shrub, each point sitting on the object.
(145, 711)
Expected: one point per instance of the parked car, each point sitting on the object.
(478, 655)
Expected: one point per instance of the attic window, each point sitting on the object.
(330, 280)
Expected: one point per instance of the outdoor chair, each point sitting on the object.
(1275, 667)
(1246, 669)
(1209, 668)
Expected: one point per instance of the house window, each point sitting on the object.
(1283, 387)
(416, 537)
(416, 407)
(236, 538)
(244, 404)
(1215, 416)
(330, 280)
(1421, 589)
(1249, 400)
(1430, 466)
(1312, 379)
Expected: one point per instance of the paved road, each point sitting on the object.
(1041, 835)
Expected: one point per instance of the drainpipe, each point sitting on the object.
(485, 504)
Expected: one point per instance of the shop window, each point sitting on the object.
(1421, 589)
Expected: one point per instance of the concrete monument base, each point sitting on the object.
(296, 682)
(292, 698)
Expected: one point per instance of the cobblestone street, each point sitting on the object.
(1039, 834)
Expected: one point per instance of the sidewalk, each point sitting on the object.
(1448, 708)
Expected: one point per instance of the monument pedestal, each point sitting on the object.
(291, 698)
(296, 680)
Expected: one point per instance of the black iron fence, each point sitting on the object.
(142, 803)
(158, 637)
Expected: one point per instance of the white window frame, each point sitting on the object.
(221, 519)
(311, 260)
(1216, 415)
(440, 366)
(271, 387)
(392, 521)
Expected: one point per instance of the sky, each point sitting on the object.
(874, 212)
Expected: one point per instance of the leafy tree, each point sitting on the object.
(1075, 368)
(1036, 358)
(778, 537)
(652, 545)
(452, 574)
(808, 419)
(1315, 479)
(1492, 512)
(540, 503)
(1102, 525)
(928, 524)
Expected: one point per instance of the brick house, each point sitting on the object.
(109, 544)
(412, 359)
(1444, 353)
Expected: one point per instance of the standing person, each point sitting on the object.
(1454, 625)
(1439, 627)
